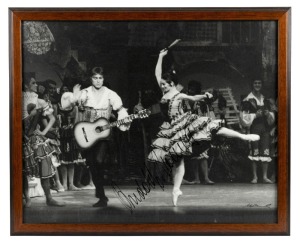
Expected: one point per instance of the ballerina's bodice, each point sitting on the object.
(171, 108)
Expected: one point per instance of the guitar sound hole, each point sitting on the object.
(98, 129)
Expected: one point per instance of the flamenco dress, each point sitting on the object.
(38, 151)
(70, 151)
(180, 132)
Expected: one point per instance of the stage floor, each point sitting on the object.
(219, 203)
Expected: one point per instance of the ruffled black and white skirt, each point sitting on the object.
(176, 139)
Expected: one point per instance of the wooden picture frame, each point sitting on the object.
(280, 15)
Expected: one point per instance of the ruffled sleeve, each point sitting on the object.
(115, 100)
(116, 103)
(67, 100)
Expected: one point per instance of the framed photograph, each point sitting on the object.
(150, 121)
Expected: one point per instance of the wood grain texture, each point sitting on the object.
(282, 15)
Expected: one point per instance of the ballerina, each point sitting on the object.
(181, 130)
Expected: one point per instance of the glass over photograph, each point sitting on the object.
(149, 122)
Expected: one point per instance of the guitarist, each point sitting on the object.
(94, 102)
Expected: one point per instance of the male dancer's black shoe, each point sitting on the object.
(101, 203)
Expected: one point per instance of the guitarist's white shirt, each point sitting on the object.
(108, 99)
(102, 100)
(103, 103)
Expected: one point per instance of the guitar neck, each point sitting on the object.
(122, 121)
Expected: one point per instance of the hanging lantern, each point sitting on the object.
(37, 37)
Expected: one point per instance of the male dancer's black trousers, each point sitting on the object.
(95, 157)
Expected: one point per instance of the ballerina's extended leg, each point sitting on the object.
(234, 134)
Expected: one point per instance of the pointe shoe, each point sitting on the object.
(175, 195)
(54, 203)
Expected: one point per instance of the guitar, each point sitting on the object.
(88, 133)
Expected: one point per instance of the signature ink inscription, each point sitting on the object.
(144, 188)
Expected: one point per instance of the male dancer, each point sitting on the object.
(96, 101)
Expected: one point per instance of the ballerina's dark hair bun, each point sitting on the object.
(170, 76)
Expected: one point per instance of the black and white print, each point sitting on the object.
(182, 116)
